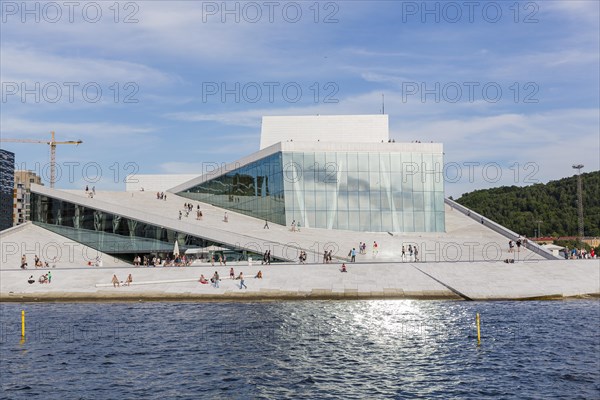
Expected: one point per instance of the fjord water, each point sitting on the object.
(301, 349)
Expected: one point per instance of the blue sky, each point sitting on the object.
(161, 67)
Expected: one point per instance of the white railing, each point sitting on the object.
(496, 227)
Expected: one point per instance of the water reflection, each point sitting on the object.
(310, 349)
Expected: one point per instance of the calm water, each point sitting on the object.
(308, 350)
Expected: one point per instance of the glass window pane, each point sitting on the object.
(353, 220)
(310, 219)
(440, 225)
(365, 221)
(386, 222)
(320, 219)
(375, 198)
(342, 201)
(375, 221)
(396, 162)
(409, 223)
(363, 161)
(364, 201)
(374, 183)
(342, 219)
(309, 200)
(373, 162)
(419, 221)
(320, 201)
(384, 160)
(418, 201)
(352, 162)
(353, 181)
(397, 197)
(353, 203)
(396, 181)
(398, 225)
(407, 201)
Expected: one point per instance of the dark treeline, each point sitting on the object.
(554, 203)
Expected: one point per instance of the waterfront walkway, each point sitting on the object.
(461, 280)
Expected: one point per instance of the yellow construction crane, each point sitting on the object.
(52, 144)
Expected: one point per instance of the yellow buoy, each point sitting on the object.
(22, 323)
(478, 320)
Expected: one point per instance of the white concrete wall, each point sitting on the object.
(324, 128)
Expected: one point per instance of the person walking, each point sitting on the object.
(231, 273)
(353, 254)
(266, 225)
(242, 284)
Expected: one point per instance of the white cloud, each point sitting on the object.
(23, 128)
(27, 64)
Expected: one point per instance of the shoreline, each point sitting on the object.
(87, 298)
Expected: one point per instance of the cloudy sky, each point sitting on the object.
(511, 89)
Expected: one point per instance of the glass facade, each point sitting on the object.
(255, 189)
(358, 191)
(368, 192)
(114, 234)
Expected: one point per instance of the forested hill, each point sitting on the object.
(554, 203)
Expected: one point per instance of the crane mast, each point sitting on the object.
(52, 143)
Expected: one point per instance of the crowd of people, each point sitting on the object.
(37, 262)
(579, 254)
(520, 242)
(156, 261)
(215, 280)
(161, 196)
(412, 253)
